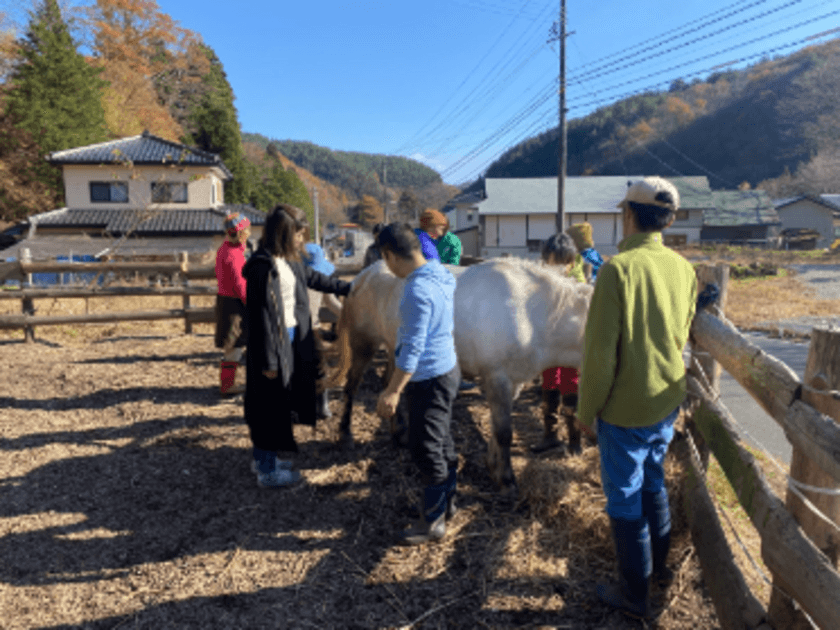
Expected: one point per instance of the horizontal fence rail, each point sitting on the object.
(28, 319)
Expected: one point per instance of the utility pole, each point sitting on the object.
(562, 149)
(317, 215)
(384, 191)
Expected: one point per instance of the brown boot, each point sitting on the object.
(551, 418)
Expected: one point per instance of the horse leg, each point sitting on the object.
(498, 391)
(361, 357)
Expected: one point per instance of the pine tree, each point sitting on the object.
(55, 94)
(212, 125)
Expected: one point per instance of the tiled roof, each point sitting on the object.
(694, 191)
(538, 195)
(118, 221)
(143, 149)
(740, 207)
(597, 194)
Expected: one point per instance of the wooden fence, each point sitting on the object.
(799, 547)
(182, 270)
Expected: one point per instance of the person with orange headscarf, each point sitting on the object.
(432, 227)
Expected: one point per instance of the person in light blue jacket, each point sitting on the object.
(426, 369)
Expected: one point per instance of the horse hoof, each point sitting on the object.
(345, 439)
(546, 445)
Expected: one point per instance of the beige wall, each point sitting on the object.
(806, 214)
(200, 183)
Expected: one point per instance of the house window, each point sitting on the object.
(682, 215)
(470, 216)
(167, 192)
(109, 192)
(674, 240)
(213, 194)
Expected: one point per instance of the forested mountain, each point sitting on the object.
(774, 124)
(360, 173)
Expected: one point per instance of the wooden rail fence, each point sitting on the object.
(799, 548)
(28, 320)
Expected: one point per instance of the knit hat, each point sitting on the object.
(431, 217)
(581, 234)
(653, 191)
(235, 223)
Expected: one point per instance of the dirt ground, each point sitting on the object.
(126, 501)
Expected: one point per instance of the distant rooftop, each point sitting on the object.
(144, 149)
(119, 221)
(740, 207)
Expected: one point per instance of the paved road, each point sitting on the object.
(752, 419)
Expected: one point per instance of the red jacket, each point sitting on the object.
(229, 262)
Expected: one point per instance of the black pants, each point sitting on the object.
(430, 425)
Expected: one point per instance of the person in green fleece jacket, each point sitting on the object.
(633, 382)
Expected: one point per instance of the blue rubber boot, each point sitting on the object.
(658, 513)
(269, 475)
(632, 546)
(431, 526)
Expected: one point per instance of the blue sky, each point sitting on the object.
(454, 83)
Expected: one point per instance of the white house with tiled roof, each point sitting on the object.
(150, 195)
(815, 212)
(515, 215)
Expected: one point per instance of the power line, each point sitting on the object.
(596, 75)
(466, 79)
(654, 86)
(491, 84)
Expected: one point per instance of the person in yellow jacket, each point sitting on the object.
(632, 383)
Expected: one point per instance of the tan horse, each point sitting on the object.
(513, 319)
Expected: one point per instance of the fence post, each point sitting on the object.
(822, 372)
(27, 306)
(185, 264)
(719, 275)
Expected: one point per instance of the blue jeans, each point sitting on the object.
(631, 463)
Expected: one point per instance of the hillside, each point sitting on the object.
(752, 125)
(344, 178)
(360, 173)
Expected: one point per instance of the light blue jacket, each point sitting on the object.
(425, 341)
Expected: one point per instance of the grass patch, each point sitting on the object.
(737, 524)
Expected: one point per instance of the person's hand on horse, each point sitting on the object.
(270, 374)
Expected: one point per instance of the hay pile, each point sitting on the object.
(128, 502)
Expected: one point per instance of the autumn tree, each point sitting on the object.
(408, 206)
(367, 212)
(137, 46)
(22, 193)
(55, 94)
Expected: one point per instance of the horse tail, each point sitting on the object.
(345, 351)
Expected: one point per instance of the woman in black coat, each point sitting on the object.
(282, 360)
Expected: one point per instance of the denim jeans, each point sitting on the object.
(632, 463)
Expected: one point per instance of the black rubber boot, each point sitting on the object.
(572, 429)
(551, 418)
(451, 488)
(658, 513)
(632, 546)
(431, 526)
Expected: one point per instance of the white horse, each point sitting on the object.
(513, 319)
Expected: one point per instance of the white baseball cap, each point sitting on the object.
(653, 191)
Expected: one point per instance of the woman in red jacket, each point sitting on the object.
(231, 333)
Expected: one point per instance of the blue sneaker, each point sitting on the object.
(278, 478)
(283, 464)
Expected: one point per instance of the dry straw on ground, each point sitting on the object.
(127, 502)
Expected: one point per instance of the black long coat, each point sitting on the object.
(269, 403)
